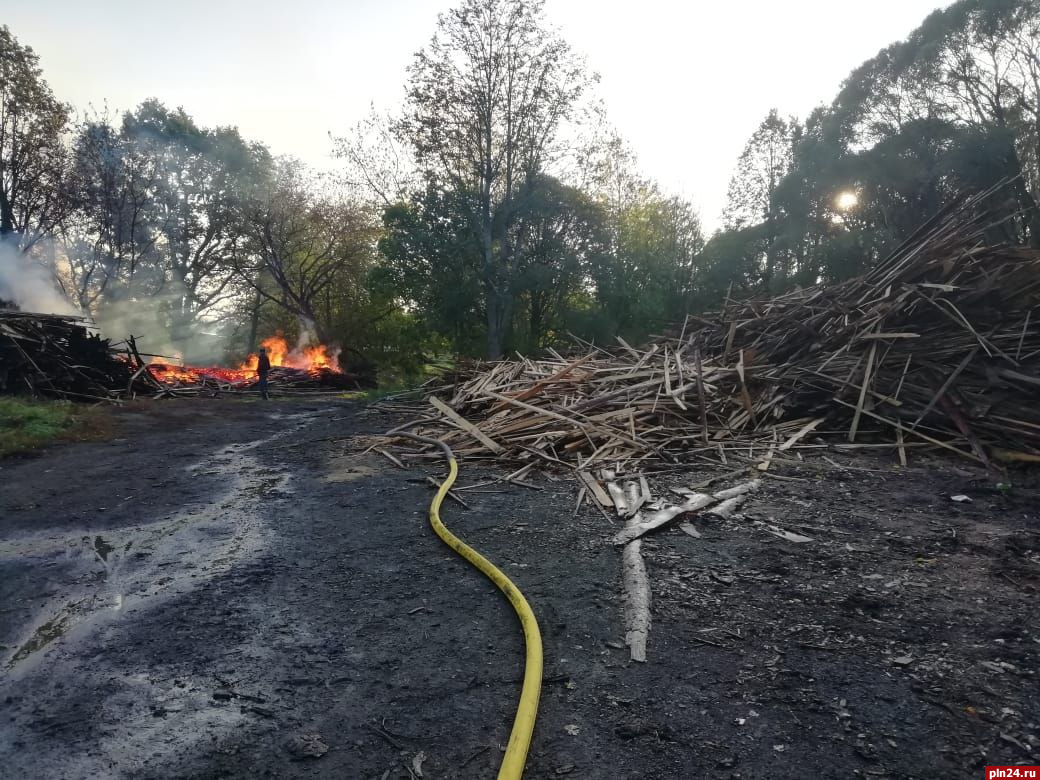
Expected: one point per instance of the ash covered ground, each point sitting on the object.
(231, 589)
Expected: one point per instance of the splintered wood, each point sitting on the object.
(938, 346)
(629, 499)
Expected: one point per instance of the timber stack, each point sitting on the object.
(937, 347)
(60, 357)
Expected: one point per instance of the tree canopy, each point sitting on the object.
(497, 210)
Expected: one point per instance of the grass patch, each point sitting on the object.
(26, 425)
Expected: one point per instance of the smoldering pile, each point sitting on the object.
(173, 381)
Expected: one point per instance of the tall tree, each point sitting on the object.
(645, 275)
(432, 260)
(203, 176)
(974, 65)
(764, 162)
(112, 235)
(303, 244)
(563, 235)
(486, 100)
(33, 156)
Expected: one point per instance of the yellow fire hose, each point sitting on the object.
(515, 757)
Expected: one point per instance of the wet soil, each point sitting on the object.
(232, 589)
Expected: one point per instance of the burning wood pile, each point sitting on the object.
(60, 357)
(936, 347)
(312, 370)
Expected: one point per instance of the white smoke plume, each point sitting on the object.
(29, 285)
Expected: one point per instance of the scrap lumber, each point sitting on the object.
(465, 424)
(937, 346)
(636, 597)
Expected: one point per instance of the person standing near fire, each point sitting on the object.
(263, 365)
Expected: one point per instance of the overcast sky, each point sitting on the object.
(686, 82)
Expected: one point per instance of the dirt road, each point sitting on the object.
(229, 589)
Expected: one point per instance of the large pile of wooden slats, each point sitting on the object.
(937, 347)
(59, 357)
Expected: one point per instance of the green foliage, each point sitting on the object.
(33, 156)
(432, 264)
(954, 108)
(585, 264)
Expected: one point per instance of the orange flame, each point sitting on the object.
(307, 358)
(313, 359)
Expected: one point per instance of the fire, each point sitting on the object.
(307, 358)
(312, 359)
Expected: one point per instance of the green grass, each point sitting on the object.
(26, 424)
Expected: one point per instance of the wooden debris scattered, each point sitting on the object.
(938, 345)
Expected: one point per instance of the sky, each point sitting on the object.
(684, 81)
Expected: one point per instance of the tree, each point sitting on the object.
(33, 156)
(974, 65)
(647, 279)
(432, 260)
(306, 243)
(645, 275)
(111, 237)
(486, 100)
(563, 234)
(202, 178)
(763, 164)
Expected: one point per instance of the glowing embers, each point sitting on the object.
(314, 360)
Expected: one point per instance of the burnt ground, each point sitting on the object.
(203, 594)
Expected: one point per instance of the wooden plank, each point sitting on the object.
(466, 425)
(862, 392)
(594, 488)
(803, 431)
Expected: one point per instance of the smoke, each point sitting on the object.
(152, 320)
(28, 285)
(309, 338)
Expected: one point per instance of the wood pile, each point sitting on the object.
(63, 357)
(937, 347)
(59, 357)
(179, 381)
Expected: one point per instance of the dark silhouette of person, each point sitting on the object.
(263, 365)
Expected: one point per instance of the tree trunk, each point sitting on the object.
(496, 331)
(493, 301)
(254, 322)
(535, 321)
(6, 215)
(1025, 197)
(310, 321)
